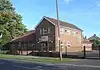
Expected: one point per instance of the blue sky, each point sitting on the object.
(83, 13)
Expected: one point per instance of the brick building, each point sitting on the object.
(45, 37)
(24, 44)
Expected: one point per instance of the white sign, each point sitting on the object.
(68, 44)
(44, 38)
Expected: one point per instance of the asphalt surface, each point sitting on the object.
(77, 65)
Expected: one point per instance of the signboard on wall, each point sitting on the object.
(44, 38)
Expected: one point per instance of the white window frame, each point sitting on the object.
(49, 30)
(61, 30)
(45, 31)
(74, 33)
(68, 32)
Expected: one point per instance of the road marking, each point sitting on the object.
(36, 68)
(88, 66)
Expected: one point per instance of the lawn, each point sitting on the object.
(35, 59)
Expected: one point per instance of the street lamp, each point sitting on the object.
(58, 28)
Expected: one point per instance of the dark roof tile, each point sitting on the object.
(24, 35)
(62, 23)
(94, 37)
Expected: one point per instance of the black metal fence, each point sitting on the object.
(83, 53)
(93, 54)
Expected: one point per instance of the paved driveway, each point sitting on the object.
(77, 65)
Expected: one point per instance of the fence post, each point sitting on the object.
(84, 52)
(21, 47)
(27, 45)
(32, 48)
(99, 52)
(66, 51)
(3, 49)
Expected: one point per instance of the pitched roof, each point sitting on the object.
(62, 23)
(24, 35)
(94, 37)
(86, 41)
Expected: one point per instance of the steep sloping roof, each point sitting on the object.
(94, 37)
(25, 34)
(85, 41)
(62, 23)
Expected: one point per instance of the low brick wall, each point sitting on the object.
(46, 54)
(53, 54)
(24, 52)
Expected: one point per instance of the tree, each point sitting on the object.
(11, 24)
(96, 43)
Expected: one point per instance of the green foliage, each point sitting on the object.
(10, 22)
(96, 43)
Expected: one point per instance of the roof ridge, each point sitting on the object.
(56, 19)
(64, 22)
(25, 34)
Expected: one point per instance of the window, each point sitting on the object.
(45, 30)
(68, 31)
(77, 32)
(48, 30)
(61, 30)
(74, 33)
(65, 30)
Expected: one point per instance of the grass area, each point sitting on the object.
(3, 52)
(35, 59)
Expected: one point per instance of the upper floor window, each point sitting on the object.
(65, 30)
(68, 31)
(61, 30)
(48, 30)
(74, 33)
(77, 32)
(44, 31)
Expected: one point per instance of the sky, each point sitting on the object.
(83, 13)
